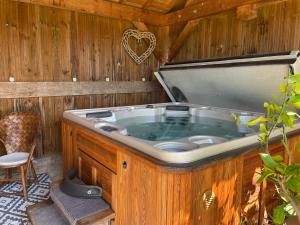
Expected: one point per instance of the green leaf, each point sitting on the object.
(295, 101)
(263, 138)
(292, 170)
(266, 104)
(293, 78)
(266, 173)
(296, 105)
(296, 87)
(236, 118)
(290, 210)
(293, 184)
(277, 107)
(277, 158)
(279, 214)
(268, 160)
(291, 113)
(281, 168)
(257, 120)
(282, 88)
(262, 128)
(288, 120)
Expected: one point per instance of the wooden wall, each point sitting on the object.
(277, 28)
(45, 44)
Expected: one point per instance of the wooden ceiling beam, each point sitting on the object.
(104, 8)
(182, 37)
(121, 11)
(208, 8)
(270, 2)
(246, 12)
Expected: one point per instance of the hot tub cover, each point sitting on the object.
(243, 82)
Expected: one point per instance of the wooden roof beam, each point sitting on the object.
(246, 12)
(182, 37)
(130, 13)
(104, 8)
(209, 8)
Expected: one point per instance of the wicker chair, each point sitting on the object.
(18, 132)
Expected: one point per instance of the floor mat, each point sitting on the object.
(13, 207)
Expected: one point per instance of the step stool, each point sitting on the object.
(63, 209)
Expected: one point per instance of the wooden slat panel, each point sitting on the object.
(4, 55)
(46, 44)
(225, 35)
(40, 89)
(54, 26)
(148, 195)
(99, 149)
(29, 35)
(104, 8)
(12, 31)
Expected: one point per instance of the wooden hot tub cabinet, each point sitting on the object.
(141, 191)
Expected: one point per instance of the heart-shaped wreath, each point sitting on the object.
(139, 36)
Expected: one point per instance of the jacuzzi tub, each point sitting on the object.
(184, 149)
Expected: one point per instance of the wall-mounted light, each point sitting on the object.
(107, 78)
(74, 78)
(143, 79)
(11, 78)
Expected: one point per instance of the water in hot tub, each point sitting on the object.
(162, 128)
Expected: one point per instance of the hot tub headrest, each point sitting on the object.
(73, 186)
(181, 108)
(99, 115)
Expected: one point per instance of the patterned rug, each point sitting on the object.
(13, 208)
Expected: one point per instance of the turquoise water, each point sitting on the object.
(161, 128)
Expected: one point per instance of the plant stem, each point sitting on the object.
(276, 122)
(286, 193)
(286, 144)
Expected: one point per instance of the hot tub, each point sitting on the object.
(172, 132)
(198, 123)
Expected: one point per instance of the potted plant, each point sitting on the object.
(281, 114)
